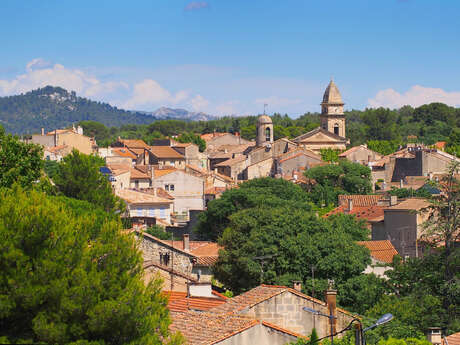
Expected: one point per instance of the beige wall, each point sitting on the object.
(285, 310)
(302, 161)
(363, 155)
(161, 211)
(119, 160)
(258, 335)
(260, 169)
(316, 147)
(171, 282)
(228, 139)
(188, 190)
(121, 181)
(142, 183)
(80, 142)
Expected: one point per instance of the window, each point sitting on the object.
(267, 134)
(162, 213)
(171, 187)
(336, 129)
(164, 259)
(136, 183)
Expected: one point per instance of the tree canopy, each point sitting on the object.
(69, 275)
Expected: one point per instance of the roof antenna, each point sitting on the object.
(265, 106)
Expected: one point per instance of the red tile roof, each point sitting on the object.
(178, 301)
(123, 152)
(257, 295)
(360, 200)
(137, 174)
(453, 339)
(134, 143)
(380, 250)
(206, 252)
(415, 204)
(210, 136)
(165, 152)
(368, 213)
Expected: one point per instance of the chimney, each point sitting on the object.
(331, 301)
(350, 204)
(297, 285)
(393, 200)
(434, 335)
(401, 183)
(43, 131)
(430, 175)
(186, 240)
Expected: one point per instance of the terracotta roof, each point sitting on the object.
(223, 177)
(210, 136)
(194, 303)
(123, 152)
(257, 295)
(415, 204)
(165, 152)
(453, 339)
(232, 161)
(206, 252)
(215, 190)
(369, 213)
(360, 200)
(440, 145)
(137, 174)
(356, 148)
(200, 171)
(55, 149)
(380, 250)
(134, 143)
(162, 172)
(135, 197)
(202, 328)
(137, 151)
(159, 191)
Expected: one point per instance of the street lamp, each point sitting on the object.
(330, 317)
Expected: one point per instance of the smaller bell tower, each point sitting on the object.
(332, 116)
(264, 130)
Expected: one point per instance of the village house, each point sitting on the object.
(190, 151)
(146, 207)
(66, 140)
(361, 154)
(165, 156)
(283, 306)
(214, 140)
(382, 254)
(402, 225)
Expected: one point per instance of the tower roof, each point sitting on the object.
(264, 119)
(332, 94)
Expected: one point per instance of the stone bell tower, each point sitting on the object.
(332, 116)
(264, 130)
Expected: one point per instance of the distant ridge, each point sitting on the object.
(180, 114)
(54, 107)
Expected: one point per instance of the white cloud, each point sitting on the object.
(227, 108)
(40, 73)
(196, 5)
(199, 103)
(416, 96)
(276, 103)
(150, 93)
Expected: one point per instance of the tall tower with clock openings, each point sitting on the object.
(332, 116)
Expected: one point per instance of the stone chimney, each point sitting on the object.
(350, 204)
(434, 335)
(186, 239)
(331, 303)
(430, 175)
(401, 183)
(393, 200)
(43, 131)
(297, 285)
(215, 170)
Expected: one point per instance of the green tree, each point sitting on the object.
(69, 275)
(334, 179)
(385, 147)
(293, 240)
(192, 138)
(78, 177)
(268, 192)
(330, 155)
(19, 162)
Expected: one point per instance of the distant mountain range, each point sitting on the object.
(180, 114)
(54, 107)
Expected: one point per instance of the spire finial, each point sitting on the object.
(332, 78)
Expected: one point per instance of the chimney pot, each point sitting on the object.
(297, 285)
(43, 131)
(186, 239)
(401, 183)
(393, 200)
(331, 302)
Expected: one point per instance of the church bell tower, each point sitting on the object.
(332, 116)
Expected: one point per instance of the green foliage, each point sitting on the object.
(407, 341)
(78, 177)
(409, 192)
(158, 232)
(330, 155)
(266, 192)
(384, 147)
(69, 275)
(29, 112)
(295, 239)
(51, 168)
(342, 178)
(19, 162)
(192, 138)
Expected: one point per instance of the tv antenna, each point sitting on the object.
(265, 106)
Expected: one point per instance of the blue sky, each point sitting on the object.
(231, 57)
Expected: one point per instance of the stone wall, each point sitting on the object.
(151, 250)
(171, 282)
(285, 310)
(258, 335)
(260, 169)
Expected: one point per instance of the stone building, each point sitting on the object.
(72, 138)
